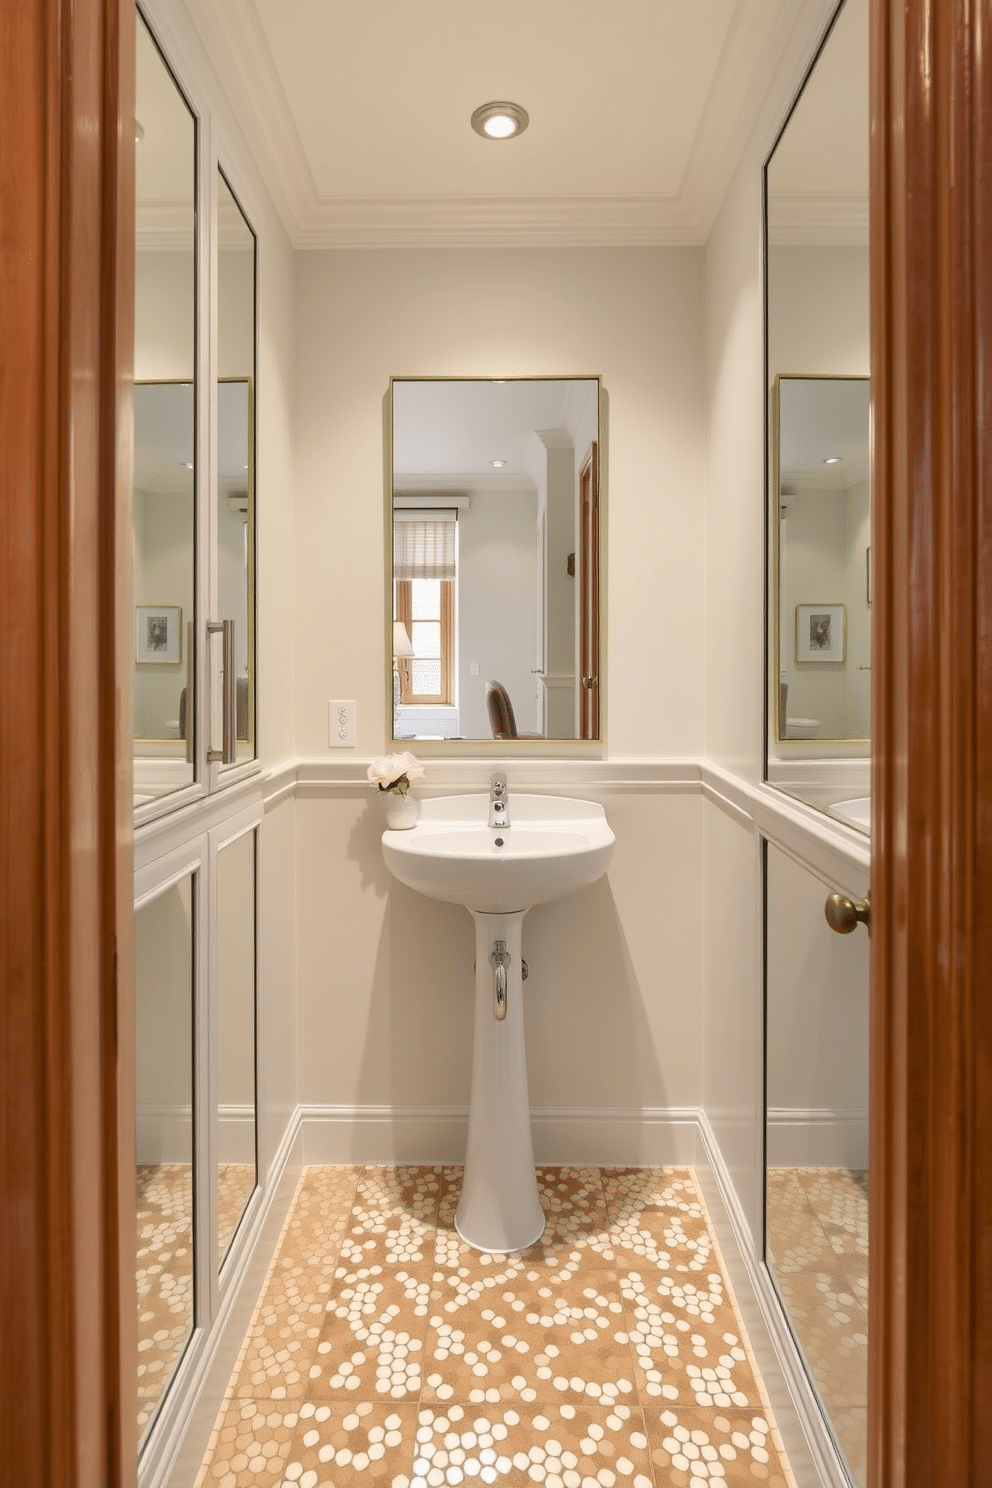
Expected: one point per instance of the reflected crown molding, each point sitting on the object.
(816, 220)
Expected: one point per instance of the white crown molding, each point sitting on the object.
(235, 40)
(498, 222)
(802, 221)
(757, 38)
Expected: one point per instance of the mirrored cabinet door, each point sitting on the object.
(816, 1195)
(166, 478)
(236, 452)
(235, 889)
(167, 1216)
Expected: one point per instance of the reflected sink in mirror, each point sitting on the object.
(552, 847)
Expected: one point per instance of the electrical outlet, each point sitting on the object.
(341, 723)
(474, 669)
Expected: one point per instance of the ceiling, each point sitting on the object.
(357, 112)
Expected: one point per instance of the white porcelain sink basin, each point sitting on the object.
(552, 847)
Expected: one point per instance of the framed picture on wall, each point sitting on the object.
(158, 634)
(820, 632)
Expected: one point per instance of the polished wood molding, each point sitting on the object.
(930, 1291)
(66, 318)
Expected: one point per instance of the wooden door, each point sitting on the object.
(589, 595)
(66, 344)
(930, 1324)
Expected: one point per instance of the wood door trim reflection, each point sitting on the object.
(589, 594)
(66, 183)
(930, 1326)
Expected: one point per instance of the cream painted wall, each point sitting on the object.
(634, 315)
(385, 976)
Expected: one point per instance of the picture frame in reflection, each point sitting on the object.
(158, 633)
(820, 632)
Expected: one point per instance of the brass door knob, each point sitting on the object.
(843, 915)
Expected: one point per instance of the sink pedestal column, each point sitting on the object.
(499, 1209)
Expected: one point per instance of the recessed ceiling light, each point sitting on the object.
(497, 464)
(499, 121)
(832, 460)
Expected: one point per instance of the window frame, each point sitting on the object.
(403, 609)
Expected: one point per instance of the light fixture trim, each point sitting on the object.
(832, 460)
(497, 464)
(500, 121)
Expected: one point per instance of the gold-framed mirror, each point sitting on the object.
(494, 536)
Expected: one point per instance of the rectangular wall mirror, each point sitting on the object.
(494, 535)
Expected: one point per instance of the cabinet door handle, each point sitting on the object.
(226, 754)
(843, 915)
(190, 700)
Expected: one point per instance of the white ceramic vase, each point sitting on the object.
(401, 811)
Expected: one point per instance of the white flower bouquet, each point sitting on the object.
(395, 773)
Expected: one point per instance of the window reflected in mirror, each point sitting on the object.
(165, 431)
(166, 1215)
(494, 539)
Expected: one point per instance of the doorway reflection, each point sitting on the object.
(816, 1195)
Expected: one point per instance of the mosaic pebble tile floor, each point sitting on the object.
(818, 1245)
(164, 1261)
(386, 1351)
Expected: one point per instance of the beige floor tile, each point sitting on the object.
(338, 1445)
(832, 1329)
(694, 1358)
(707, 1449)
(535, 1334)
(372, 1343)
(574, 1208)
(253, 1439)
(797, 1240)
(392, 1222)
(555, 1445)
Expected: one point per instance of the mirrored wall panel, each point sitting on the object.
(816, 1230)
(166, 1217)
(817, 344)
(236, 1082)
(165, 474)
(236, 450)
(494, 539)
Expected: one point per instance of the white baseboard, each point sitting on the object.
(811, 1451)
(822, 1138)
(164, 1134)
(423, 1134)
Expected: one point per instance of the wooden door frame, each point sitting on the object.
(67, 1386)
(930, 1293)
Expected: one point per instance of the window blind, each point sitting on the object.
(423, 547)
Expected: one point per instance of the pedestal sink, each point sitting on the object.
(551, 847)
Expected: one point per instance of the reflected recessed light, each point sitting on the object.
(499, 121)
(139, 131)
(187, 464)
(832, 460)
(497, 464)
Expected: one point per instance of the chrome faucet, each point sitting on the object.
(499, 801)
